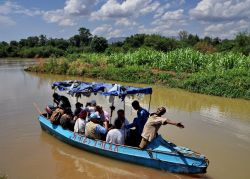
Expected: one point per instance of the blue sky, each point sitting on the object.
(119, 18)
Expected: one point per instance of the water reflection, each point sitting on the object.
(215, 126)
(74, 163)
(179, 100)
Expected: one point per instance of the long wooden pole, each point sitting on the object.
(149, 105)
(37, 108)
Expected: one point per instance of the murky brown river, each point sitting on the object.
(214, 126)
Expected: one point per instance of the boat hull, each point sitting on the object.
(153, 159)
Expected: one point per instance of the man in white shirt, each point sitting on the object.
(81, 122)
(116, 136)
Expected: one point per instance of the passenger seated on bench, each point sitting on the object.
(77, 110)
(116, 136)
(124, 121)
(56, 115)
(104, 115)
(81, 122)
(93, 129)
(66, 120)
(91, 106)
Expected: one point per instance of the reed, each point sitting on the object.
(221, 74)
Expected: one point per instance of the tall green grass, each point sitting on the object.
(221, 74)
(233, 83)
(181, 60)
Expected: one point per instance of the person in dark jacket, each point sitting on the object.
(61, 101)
(138, 123)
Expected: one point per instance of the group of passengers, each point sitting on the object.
(94, 122)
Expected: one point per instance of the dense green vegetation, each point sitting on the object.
(204, 65)
(85, 42)
(43, 47)
(222, 74)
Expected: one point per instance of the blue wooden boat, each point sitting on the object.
(160, 154)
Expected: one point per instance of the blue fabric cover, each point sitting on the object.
(78, 87)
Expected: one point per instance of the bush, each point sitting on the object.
(231, 83)
(204, 47)
(45, 51)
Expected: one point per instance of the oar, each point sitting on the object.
(37, 108)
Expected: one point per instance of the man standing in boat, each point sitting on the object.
(153, 124)
(138, 122)
(61, 101)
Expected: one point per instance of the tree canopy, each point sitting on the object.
(84, 41)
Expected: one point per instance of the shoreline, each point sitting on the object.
(164, 78)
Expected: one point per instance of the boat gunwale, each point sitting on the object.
(178, 154)
(202, 169)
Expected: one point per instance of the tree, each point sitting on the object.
(13, 43)
(226, 45)
(158, 42)
(135, 41)
(192, 39)
(216, 41)
(42, 40)
(23, 43)
(3, 49)
(183, 35)
(242, 43)
(208, 40)
(75, 41)
(98, 44)
(85, 36)
(32, 41)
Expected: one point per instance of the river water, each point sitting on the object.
(214, 126)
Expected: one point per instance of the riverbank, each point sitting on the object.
(219, 74)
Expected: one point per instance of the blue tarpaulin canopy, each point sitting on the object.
(107, 89)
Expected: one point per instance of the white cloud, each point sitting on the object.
(125, 22)
(150, 7)
(170, 19)
(226, 30)
(167, 23)
(9, 7)
(161, 10)
(102, 29)
(128, 8)
(223, 18)
(6, 21)
(173, 15)
(58, 16)
(181, 2)
(108, 31)
(78, 7)
(164, 30)
(223, 10)
(67, 16)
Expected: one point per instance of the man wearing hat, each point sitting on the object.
(93, 129)
(153, 124)
(91, 105)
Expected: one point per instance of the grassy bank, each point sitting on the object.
(221, 74)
